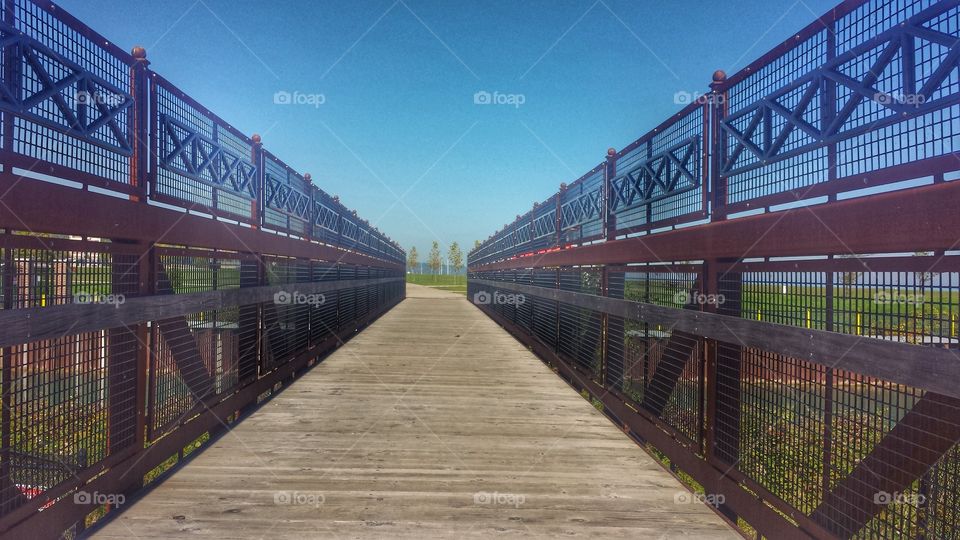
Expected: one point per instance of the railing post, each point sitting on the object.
(256, 157)
(722, 399)
(308, 233)
(716, 180)
(11, 77)
(140, 126)
(604, 323)
(145, 272)
(340, 210)
(559, 216)
(9, 493)
(828, 98)
(609, 217)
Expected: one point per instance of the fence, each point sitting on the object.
(160, 273)
(764, 290)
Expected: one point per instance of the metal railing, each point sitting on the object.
(764, 290)
(161, 273)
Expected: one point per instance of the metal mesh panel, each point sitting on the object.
(660, 177)
(581, 209)
(347, 298)
(286, 319)
(545, 311)
(580, 329)
(195, 356)
(287, 199)
(867, 95)
(69, 401)
(524, 312)
(83, 126)
(200, 161)
(832, 443)
(60, 403)
(661, 368)
(323, 316)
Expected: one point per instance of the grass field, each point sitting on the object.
(452, 283)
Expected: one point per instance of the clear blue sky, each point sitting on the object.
(398, 136)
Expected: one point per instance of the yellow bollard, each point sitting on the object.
(808, 318)
(859, 330)
(758, 314)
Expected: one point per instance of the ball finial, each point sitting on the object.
(563, 186)
(139, 52)
(308, 178)
(611, 151)
(256, 138)
(719, 76)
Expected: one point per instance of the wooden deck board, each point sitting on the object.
(398, 432)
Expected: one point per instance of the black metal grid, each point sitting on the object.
(71, 401)
(805, 170)
(323, 317)
(582, 209)
(196, 356)
(98, 154)
(545, 311)
(347, 298)
(580, 330)
(286, 321)
(176, 117)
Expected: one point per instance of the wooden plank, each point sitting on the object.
(432, 422)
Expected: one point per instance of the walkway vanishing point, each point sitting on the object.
(432, 422)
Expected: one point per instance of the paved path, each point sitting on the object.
(431, 423)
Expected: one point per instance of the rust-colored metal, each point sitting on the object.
(926, 220)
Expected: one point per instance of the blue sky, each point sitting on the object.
(398, 136)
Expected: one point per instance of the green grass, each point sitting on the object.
(452, 283)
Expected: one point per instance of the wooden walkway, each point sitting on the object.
(432, 422)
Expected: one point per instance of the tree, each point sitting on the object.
(434, 261)
(476, 244)
(455, 257)
(413, 260)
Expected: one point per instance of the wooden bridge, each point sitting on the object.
(745, 321)
(432, 422)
